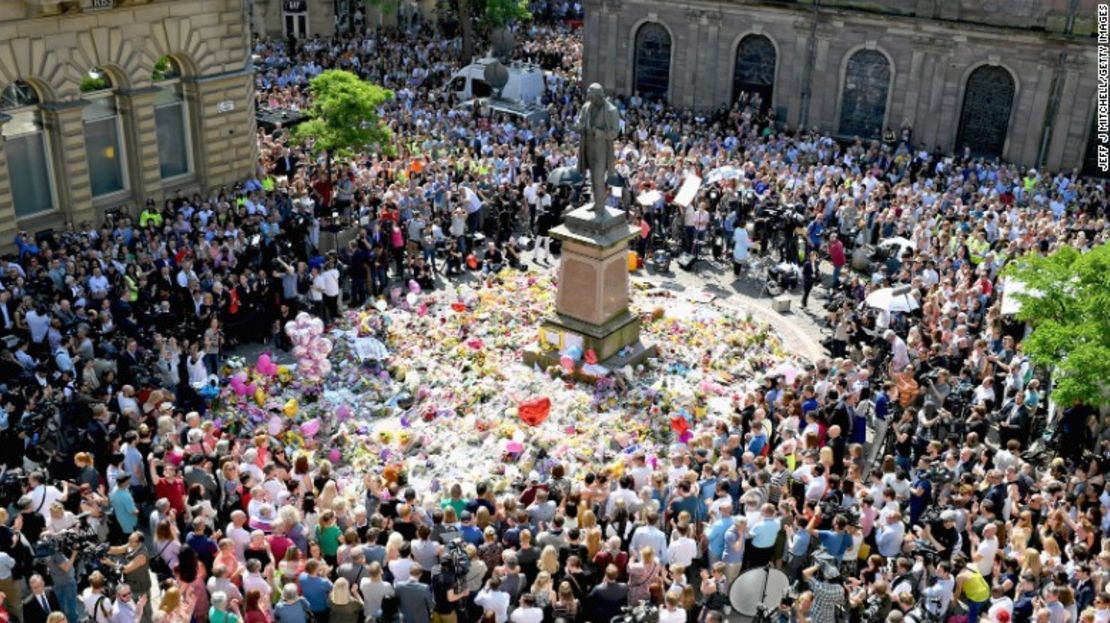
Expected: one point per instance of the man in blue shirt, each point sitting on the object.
(470, 533)
(921, 492)
(123, 505)
(315, 588)
(733, 554)
(764, 533)
(716, 534)
(882, 411)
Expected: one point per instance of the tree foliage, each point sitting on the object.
(500, 13)
(343, 118)
(1067, 303)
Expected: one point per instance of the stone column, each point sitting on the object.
(66, 132)
(224, 147)
(136, 109)
(7, 206)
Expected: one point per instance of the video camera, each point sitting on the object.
(455, 561)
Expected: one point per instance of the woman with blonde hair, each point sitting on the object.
(1031, 562)
(566, 607)
(345, 606)
(543, 590)
(549, 561)
(328, 494)
(642, 574)
(593, 542)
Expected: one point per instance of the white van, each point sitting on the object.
(525, 83)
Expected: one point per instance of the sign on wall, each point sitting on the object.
(102, 4)
(225, 106)
(295, 6)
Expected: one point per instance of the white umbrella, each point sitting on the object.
(902, 243)
(723, 173)
(892, 300)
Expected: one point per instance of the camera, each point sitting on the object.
(455, 561)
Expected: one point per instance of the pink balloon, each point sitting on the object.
(310, 428)
(334, 455)
(275, 425)
(249, 390)
(299, 352)
(414, 287)
(567, 363)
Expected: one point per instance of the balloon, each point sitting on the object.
(275, 425)
(238, 387)
(535, 411)
(343, 412)
(291, 407)
(259, 396)
(265, 365)
(250, 390)
(414, 288)
(334, 455)
(310, 428)
(566, 362)
(410, 298)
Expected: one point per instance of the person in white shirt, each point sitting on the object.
(491, 598)
(527, 612)
(126, 609)
(671, 612)
(985, 549)
(682, 549)
(239, 534)
(43, 495)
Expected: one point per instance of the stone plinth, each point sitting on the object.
(592, 300)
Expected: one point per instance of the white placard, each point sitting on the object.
(225, 106)
(689, 189)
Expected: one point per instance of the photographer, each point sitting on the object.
(828, 595)
(134, 568)
(448, 592)
(941, 534)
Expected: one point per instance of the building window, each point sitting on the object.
(171, 120)
(863, 101)
(102, 135)
(653, 61)
(27, 151)
(295, 14)
(754, 73)
(985, 116)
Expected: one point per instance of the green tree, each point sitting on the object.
(1067, 303)
(343, 119)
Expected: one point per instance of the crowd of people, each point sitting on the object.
(892, 480)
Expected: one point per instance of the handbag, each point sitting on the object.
(159, 566)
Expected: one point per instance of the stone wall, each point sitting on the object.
(52, 46)
(930, 61)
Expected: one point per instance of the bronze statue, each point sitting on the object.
(599, 124)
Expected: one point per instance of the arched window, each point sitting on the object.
(653, 61)
(171, 120)
(107, 173)
(27, 150)
(863, 100)
(985, 116)
(755, 69)
(1090, 158)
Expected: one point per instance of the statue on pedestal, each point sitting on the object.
(599, 123)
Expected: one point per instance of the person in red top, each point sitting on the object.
(169, 485)
(837, 257)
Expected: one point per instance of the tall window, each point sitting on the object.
(102, 135)
(27, 151)
(653, 61)
(985, 117)
(171, 120)
(755, 69)
(863, 101)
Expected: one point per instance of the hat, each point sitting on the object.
(466, 516)
(949, 515)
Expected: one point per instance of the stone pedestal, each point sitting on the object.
(592, 300)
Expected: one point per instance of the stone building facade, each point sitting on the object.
(104, 103)
(1014, 79)
(311, 18)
